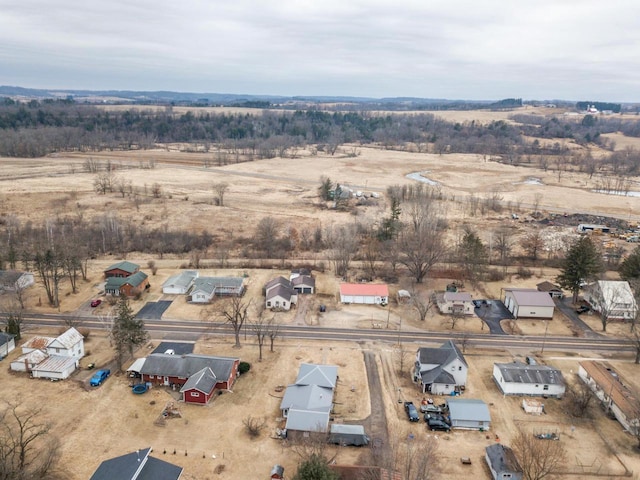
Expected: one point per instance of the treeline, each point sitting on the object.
(614, 107)
(38, 128)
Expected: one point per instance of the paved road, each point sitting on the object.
(173, 329)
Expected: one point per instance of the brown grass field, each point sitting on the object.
(96, 424)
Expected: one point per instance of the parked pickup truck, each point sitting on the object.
(430, 408)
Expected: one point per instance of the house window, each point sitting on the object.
(195, 394)
(460, 369)
(546, 387)
(268, 304)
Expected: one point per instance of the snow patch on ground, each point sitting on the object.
(419, 176)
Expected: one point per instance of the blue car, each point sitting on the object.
(99, 377)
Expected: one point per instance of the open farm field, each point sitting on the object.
(170, 190)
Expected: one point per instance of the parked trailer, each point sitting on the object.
(341, 434)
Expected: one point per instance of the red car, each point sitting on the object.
(96, 302)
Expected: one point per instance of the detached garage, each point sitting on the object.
(530, 303)
(364, 293)
(469, 413)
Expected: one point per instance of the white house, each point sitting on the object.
(455, 303)
(364, 293)
(68, 344)
(7, 344)
(202, 290)
(533, 380)
(440, 371)
(615, 396)
(529, 302)
(280, 294)
(54, 358)
(180, 284)
(27, 361)
(611, 298)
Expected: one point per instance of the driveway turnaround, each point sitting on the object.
(492, 312)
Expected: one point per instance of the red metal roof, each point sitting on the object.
(366, 289)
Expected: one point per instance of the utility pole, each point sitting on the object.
(544, 339)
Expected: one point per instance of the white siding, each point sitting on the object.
(529, 389)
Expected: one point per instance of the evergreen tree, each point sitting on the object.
(582, 263)
(315, 468)
(473, 254)
(127, 332)
(630, 266)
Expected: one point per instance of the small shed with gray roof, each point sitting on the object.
(528, 302)
(518, 378)
(469, 413)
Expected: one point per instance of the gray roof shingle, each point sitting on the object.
(517, 372)
(203, 381)
(137, 465)
(186, 365)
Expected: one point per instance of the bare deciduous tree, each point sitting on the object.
(27, 449)
(421, 242)
(254, 426)
(220, 189)
(235, 310)
(343, 243)
(539, 459)
(273, 330)
(533, 243)
(421, 302)
(579, 397)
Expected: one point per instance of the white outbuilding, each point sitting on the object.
(529, 302)
(531, 380)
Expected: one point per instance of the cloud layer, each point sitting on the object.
(572, 49)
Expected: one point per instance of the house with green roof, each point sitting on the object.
(122, 269)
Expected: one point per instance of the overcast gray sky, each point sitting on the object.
(471, 49)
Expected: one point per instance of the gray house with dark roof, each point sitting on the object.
(518, 378)
(280, 294)
(137, 465)
(205, 288)
(502, 462)
(442, 370)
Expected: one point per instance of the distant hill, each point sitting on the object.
(253, 101)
